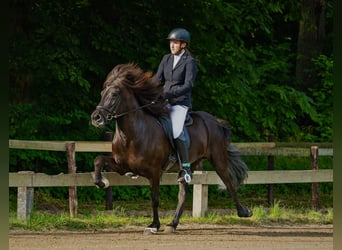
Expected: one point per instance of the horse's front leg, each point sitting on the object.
(154, 227)
(182, 196)
(100, 162)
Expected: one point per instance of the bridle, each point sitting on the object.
(111, 113)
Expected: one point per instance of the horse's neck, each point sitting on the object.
(132, 126)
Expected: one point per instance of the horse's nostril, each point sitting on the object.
(97, 117)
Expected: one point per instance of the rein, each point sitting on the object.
(115, 116)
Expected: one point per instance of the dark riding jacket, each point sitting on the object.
(178, 82)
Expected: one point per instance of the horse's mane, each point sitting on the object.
(145, 86)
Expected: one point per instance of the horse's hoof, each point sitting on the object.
(150, 230)
(132, 175)
(169, 230)
(99, 184)
(103, 184)
(245, 213)
(106, 182)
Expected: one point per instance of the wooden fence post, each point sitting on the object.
(25, 200)
(72, 170)
(200, 198)
(270, 197)
(314, 166)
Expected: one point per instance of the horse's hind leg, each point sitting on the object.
(241, 210)
(182, 196)
(227, 176)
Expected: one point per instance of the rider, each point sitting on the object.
(177, 71)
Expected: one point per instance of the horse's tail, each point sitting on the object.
(238, 170)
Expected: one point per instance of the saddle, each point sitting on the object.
(167, 127)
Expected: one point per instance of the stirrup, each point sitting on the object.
(184, 176)
(132, 175)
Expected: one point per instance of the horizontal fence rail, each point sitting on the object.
(253, 148)
(25, 181)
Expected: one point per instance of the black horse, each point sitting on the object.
(140, 146)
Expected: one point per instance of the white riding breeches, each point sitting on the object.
(178, 115)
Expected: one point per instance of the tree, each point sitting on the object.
(311, 41)
(61, 51)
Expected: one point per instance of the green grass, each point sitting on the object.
(120, 217)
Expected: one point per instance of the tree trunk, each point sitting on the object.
(310, 41)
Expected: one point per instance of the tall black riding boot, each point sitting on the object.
(185, 173)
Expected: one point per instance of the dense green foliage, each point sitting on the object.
(61, 51)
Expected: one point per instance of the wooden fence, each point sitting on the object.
(25, 181)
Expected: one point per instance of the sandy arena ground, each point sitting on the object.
(194, 236)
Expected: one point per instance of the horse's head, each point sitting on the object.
(106, 110)
(117, 97)
(128, 89)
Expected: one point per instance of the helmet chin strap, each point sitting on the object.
(180, 51)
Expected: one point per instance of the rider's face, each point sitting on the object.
(176, 46)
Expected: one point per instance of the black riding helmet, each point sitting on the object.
(179, 34)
